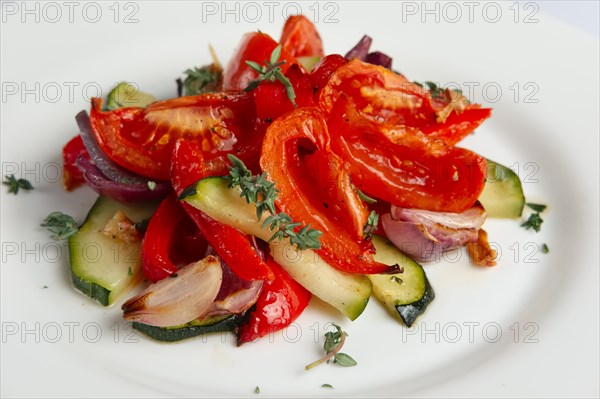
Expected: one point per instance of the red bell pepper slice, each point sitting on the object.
(72, 175)
(171, 240)
(293, 142)
(280, 302)
(229, 243)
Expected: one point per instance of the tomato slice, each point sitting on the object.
(387, 97)
(301, 38)
(257, 47)
(142, 139)
(412, 172)
(293, 144)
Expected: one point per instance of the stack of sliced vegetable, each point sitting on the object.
(287, 174)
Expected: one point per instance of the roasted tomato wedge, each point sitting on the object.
(257, 47)
(387, 97)
(142, 139)
(324, 197)
(301, 38)
(405, 169)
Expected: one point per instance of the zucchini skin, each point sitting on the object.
(410, 312)
(190, 330)
(408, 299)
(502, 195)
(91, 289)
(117, 266)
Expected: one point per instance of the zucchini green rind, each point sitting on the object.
(127, 95)
(502, 195)
(192, 329)
(408, 293)
(104, 267)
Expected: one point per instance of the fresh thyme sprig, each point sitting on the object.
(15, 184)
(437, 92)
(371, 225)
(535, 220)
(271, 71)
(283, 226)
(334, 341)
(200, 80)
(257, 189)
(60, 225)
(365, 197)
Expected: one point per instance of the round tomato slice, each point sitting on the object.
(142, 139)
(301, 38)
(257, 47)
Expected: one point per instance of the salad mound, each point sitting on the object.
(286, 174)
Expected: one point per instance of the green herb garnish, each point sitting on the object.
(271, 71)
(371, 225)
(435, 90)
(257, 189)
(365, 197)
(327, 386)
(396, 279)
(257, 389)
(534, 222)
(15, 184)
(545, 249)
(60, 225)
(201, 80)
(537, 207)
(129, 271)
(334, 340)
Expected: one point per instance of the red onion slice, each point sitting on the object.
(119, 191)
(361, 49)
(236, 295)
(179, 300)
(425, 235)
(379, 58)
(472, 218)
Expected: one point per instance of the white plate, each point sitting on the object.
(527, 327)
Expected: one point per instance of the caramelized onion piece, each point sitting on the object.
(178, 300)
(425, 235)
(480, 252)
